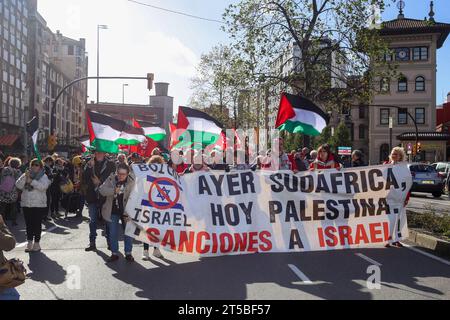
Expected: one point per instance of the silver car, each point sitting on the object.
(426, 179)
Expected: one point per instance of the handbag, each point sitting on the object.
(12, 274)
(66, 186)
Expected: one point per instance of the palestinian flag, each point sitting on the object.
(107, 133)
(33, 130)
(85, 144)
(300, 115)
(146, 147)
(203, 129)
(152, 132)
(131, 136)
(173, 135)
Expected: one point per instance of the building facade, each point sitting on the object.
(414, 44)
(14, 68)
(54, 62)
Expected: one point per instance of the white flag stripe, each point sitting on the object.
(130, 136)
(199, 124)
(153, 130)
(34, 137)
(105, 132)
(310, 118)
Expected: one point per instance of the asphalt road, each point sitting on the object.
(420, 202)
(64, 271)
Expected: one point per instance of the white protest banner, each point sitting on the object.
(217, 213)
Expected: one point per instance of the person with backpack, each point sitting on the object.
(7, 243)
(8, 191)
(96, 171)
(34, 184)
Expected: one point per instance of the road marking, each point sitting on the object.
(23, 244)
(300, 274)
(368, 259)
(429, 255)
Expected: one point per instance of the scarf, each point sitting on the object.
(37, 175)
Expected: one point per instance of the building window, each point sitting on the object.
(384, 85)
(402, 116)
(362, 112)
(420, 115)
(403, 84)
(420, 83)
(362, 132)
(70, 51)
(384, 116)
(420, 53)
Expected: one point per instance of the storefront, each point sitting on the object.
(433, 145)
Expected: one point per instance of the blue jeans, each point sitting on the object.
(94, 210)
(114, 236)
(9, 294)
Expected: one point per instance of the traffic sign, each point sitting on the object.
(345, 151)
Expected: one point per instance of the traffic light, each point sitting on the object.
(150, 78)
(52, 142)
(418, 147)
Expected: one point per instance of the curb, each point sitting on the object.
(439, 246)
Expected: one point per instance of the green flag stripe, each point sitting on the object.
(157, 137)
(105, 146)
(298, 127)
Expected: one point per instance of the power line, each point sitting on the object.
(176, 12)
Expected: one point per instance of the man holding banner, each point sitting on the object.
(212, 213)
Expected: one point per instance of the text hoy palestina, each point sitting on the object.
(367, 183)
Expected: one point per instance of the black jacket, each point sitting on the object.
(102, 170)
(357, 163)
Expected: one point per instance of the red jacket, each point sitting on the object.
(181, 168)
(329, 164)
(292, 161)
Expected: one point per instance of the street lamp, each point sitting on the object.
(391, 125)
(104, 27)
(123, 92)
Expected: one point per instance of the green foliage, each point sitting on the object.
(293, 141)
(323, 138)
(219, 87)
(341, 137)
(431, 222)
(264, 31)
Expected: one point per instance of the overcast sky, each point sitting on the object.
(142, 39)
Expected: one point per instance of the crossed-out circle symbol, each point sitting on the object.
(164, 194)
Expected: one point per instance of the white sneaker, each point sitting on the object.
(29, 247)
(145, 255)
(36, 247)
(157, 253)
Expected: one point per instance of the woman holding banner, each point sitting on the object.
(117, 189)
(325, 160)
(397, 156)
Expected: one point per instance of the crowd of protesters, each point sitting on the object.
(103, 183)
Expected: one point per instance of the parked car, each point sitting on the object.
(443, 168)
(426, 179)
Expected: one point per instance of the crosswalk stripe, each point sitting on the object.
(300, 274)
(23, 244)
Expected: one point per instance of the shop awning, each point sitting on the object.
(425, 136)
(8, 140)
